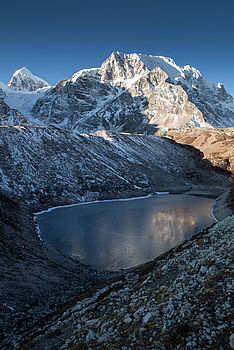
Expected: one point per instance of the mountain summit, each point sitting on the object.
(136, 93)
(23, 79)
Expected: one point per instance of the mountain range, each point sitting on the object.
(132, 93)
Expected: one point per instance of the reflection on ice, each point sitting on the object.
(171, 226)
(121, 234)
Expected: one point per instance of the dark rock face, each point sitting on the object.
(136, 93)
(25, 84)
(87, 105)
(10, 116)
(10, 212)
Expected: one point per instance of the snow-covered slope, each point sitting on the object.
(169, 89)
(61, 166)
(23, 79)
(21, 100)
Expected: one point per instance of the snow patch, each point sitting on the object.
(90, 72)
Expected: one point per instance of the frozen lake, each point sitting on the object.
(123, 233)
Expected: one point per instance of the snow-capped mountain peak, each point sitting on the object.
(23, 71)
(135, 93)
(23, 79)
(128, 66)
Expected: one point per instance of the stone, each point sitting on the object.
(90, 336)
(148, 318)
(203, 270)
(127, 319)
(103, 338)
(153, 98)
(231, 341)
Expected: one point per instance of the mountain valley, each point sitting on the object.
(137, 125)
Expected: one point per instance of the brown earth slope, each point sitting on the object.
(217, 145)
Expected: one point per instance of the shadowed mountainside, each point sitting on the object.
(215, 144)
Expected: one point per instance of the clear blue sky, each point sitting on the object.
(55, 39)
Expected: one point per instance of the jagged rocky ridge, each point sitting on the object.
(11, 116)
(128, 93)
(18, 102)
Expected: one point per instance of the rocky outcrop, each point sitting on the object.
(85, 104)
(10, 116)
(128, 93)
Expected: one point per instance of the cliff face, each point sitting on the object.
(10, 116)
(128, 93)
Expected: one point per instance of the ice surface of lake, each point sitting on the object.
(120, 234)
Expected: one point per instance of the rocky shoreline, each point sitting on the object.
(35, 279)
(181, 300)
(67, 278)
(224, 205)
